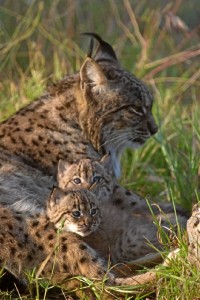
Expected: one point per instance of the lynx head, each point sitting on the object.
(74, 210)
(115, 108)
(89, 174)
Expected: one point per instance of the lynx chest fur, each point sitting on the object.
(101, 109)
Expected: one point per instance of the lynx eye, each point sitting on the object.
(93, 211)
(77, 180)
(76, 214)
(96, 179)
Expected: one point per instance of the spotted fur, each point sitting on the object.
(34, 241)
(100, 109)
(127, 228)
(74, 211)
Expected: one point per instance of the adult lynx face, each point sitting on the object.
(117, 112)
(100, 110)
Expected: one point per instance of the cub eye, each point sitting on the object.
(96, 179)
(93, 211)
(77, 180)
(76, 214)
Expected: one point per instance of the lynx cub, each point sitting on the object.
(74, 211)
(29, 241)
(124, 232)
(93, 175)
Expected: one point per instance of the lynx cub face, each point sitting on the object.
(92, 175)
(74, 211)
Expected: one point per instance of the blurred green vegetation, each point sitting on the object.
(156, 40)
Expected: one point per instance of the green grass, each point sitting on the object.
(40, 42)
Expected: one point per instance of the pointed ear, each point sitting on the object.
(55, 197)
(104, 52)
(63, 166)
(106, 161)
(91, 72)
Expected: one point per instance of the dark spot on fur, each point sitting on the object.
(118, 201)
(41, 153)
(63, 239)
(83, 260)
(80, 152)
(41, 126)
(18, 218)
(128, 193)
(22, 141)
(35, 223)
(46, 226)
(99, 272)
(59, 108)
(75, 266)
(29, 257)
(12, 250)
(29, 129)
(35, 143)
(47, 151)
(40, 247)
(85, 144)
(64, 248)
(82, 247)
(50, 237)
(40, 138)
(38, 234)
(63, 118)
(26, 236)
(20, 256)
(57, 143)
(65, 267)
(13, 140)
(10, 227)
(133, 203)
(42, 116)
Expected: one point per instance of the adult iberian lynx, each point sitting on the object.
(100, 109)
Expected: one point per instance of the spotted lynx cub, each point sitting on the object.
(100, 109)
(93, 175)
(123, 232)
(74, 211)
(28, 241)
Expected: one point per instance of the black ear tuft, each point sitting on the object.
(105, 51)
(91, 48)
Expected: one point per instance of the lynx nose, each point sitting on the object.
(153, 128)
